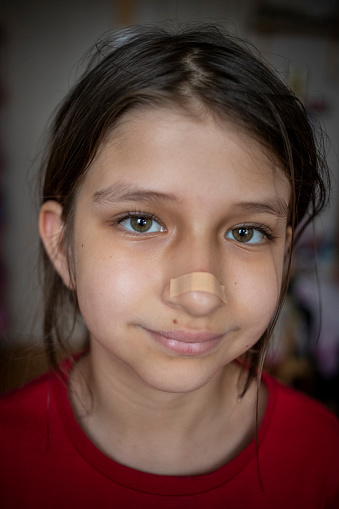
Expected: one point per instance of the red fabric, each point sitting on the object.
(46, 461)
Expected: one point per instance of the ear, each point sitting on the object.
(51, 229)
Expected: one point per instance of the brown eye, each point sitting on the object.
(243, 234)
(141, 224)
(246, 235)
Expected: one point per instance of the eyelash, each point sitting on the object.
(149, 215)
(258, 227)
(132, 214)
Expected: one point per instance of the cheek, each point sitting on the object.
(258, 288)
(111, 285)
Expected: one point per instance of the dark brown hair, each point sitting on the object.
(150, 66)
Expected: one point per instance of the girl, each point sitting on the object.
(178, 172)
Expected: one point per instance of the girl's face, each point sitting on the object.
(166, 196)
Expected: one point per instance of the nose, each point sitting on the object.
(198, 293)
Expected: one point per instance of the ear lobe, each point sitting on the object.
(51, 229)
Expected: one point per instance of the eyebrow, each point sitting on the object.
(277, 207)
(120, 192)
(123, 193)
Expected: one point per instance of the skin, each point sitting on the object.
(159, 405)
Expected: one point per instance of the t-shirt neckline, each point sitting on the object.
(152, 483)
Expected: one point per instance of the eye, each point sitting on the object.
(141, 224)
(246, 235)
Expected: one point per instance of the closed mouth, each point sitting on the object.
(187, 343)
(188, 336)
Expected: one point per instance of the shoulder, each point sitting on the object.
(27, 396)
(34, 396)
(301, 443)
(301, 407)
(23, 411)
(299, 420)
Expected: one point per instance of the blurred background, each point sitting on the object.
(41, 44)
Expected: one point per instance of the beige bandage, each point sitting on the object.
(197, 282)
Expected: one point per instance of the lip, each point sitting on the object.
(186, 342)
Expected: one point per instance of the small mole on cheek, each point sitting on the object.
(174, 321)
(82, 245)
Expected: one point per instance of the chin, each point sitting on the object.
(180, 381)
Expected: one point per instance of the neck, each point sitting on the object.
(162, 432)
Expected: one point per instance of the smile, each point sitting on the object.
(186, 342)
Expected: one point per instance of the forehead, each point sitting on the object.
(175, 149)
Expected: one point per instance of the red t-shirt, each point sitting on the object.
(46, 461)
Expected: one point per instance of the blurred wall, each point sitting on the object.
(41, 43)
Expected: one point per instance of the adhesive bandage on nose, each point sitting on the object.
(197, 282)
